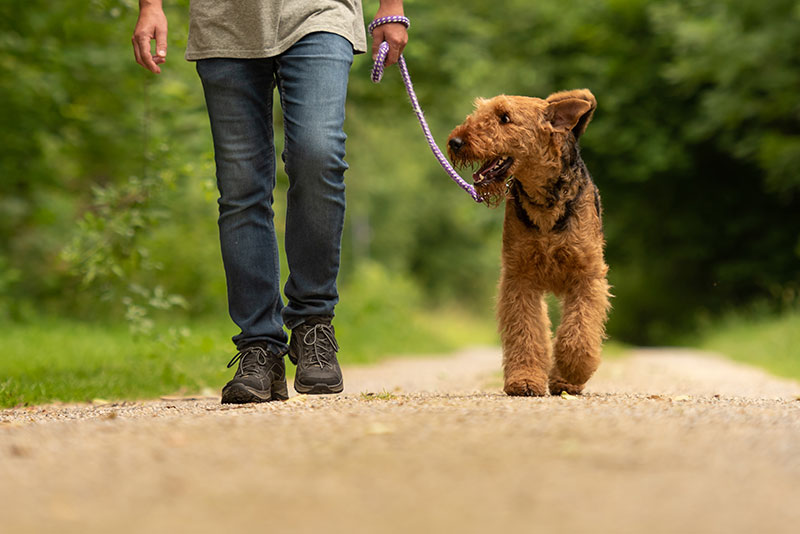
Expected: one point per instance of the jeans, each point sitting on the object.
(311, 78)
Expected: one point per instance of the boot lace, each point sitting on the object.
(249, 366)
(323, 342)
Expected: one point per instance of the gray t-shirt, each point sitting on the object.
(266, 28)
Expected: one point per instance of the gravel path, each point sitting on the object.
(663, 441)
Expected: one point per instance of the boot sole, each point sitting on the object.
(319, 389)
(241, 394)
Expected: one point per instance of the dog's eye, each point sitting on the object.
(504, 118)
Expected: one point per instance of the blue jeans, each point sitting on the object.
(311, 78)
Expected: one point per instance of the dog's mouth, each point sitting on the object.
(492, 171)
(491, 180)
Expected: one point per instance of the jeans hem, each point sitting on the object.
(294, 323)
(278, 349)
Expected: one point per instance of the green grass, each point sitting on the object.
(615, 349)
(383, 395)
(368, 338)
(770, 342)
(63, 360)
(59, 359)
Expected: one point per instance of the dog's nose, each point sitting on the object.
(455, 144)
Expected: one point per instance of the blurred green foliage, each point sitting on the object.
(107, 188)
(751, 335)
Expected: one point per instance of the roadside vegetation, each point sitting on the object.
(757, 338)
(57, 359)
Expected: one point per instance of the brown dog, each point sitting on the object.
(552, 234)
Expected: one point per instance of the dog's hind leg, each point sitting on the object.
(525, 334)
(579, 337)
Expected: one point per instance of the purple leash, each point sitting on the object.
(377, 74)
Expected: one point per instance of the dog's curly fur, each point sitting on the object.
(552, 235)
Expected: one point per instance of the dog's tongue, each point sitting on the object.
(492, 170)
(477, 176)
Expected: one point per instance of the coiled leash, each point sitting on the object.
(377, 74)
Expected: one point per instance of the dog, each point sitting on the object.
(553, 239)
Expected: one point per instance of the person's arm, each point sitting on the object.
(152, 24)
(394, 34)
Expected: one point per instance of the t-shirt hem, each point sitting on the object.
(236, 53)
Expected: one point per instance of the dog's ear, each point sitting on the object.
(571, 110)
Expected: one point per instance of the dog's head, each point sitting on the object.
(520, 137)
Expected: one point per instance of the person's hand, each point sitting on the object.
(152, 24)
(393, 33)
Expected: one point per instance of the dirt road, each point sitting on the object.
(664, 441)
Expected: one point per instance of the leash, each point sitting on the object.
(377, 74)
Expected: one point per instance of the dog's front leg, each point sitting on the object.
(579, 337)
(525, 334)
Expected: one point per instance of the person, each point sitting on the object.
(243, 51)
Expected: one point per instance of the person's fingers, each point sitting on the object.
(144, 52)
(401, 46)
(136, 52)
(161, 41)
(377, 39)
(397, 37)
(392, 56)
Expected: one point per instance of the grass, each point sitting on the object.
(58, 359)
(615, 349)
(383, 395)
(369, 338)
(63, 360)
(770, 342)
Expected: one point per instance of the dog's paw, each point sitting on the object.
(558, 386)
(522, 387)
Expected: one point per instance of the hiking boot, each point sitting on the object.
(261, 377)
(313, 349)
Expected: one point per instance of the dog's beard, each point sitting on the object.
(491, 180)
(492, 194)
